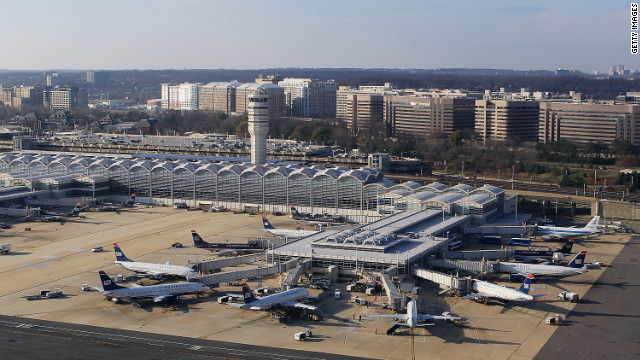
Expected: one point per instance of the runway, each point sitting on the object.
(604, 324)
(22, 338)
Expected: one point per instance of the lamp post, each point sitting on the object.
(512, 174)
(462, 169)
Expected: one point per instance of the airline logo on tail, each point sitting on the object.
(196, 238)
(578, 261)
(266, 223)
(526, 285)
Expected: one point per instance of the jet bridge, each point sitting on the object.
(477, 267)
(395, 299)
(295, 274)
(446, 281)
(258, 272)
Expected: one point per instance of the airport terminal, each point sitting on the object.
(393, 236)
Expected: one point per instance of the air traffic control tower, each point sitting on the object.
(258, 112)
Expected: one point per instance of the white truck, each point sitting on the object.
(569, 296)
(5, 248)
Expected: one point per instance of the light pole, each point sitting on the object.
(463, 169)
(512, 174)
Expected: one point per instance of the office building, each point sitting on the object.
(498, 120)
(589, 122)
(188, 95)
(65, 98)
(359, 109)
(309, 97)
(423, 116)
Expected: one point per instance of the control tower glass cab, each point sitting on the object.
(258, 113)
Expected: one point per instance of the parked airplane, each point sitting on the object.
(562, 232)
(154, 269)
(485, 290)
(114, 207)
(159, 293)
(317, 218)
(575, 267)
(282, 232)
(75, 212)
(285, 299)
(230, 248)
(412, 319)
(542, 255)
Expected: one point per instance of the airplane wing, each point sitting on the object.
(161, 298)
(476, 296)
(446, 316)
(299, 305)
(396, 317)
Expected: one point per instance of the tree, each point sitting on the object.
(455, 139)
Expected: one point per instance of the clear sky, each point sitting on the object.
(236, 34)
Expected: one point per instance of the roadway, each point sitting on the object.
(604, 324)
(22, 338)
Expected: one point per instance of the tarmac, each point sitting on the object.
(54, 255)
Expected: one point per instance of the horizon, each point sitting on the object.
(270, 34)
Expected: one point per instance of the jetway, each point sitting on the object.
(394, 297)
(207, 266)
(258, 272)
(477, 267)
(295, 274)
(446, 281)
(517, 230)
(479, 254)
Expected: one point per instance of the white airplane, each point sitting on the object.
(285, 299)
(158, 293)
(485, 290)
(282, 232)
(153, 269)
(575, 267)
(412, 319)
(562, 232)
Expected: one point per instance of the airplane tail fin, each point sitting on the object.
(526, 285)
(120, 256)
(197, 240)
(578, 261)
(294, 212)
(131, 201)
(566, 249)
(247, 294)
(267, 224)
(76, 209)
(593, 224)
(107, 282)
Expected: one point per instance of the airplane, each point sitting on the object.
(230, 248)
(282, 232)
(542, 255)
(316, 218)
(562, 232)
(114, 207)
(412, 319)
(153, 269)
(285, 299)
(575, 267)
(75, 212)
(485, 290)
(159, 293)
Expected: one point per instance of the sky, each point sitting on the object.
(245, 34)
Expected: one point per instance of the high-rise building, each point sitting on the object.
(498, 120)
(170, 96)
(65, 98)
(269, 79)
(276, 97)
(218, 96)
(258, 114)
(188, 96)
(588, 122)
(309, 97)
(422, 116)
(359, 109)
